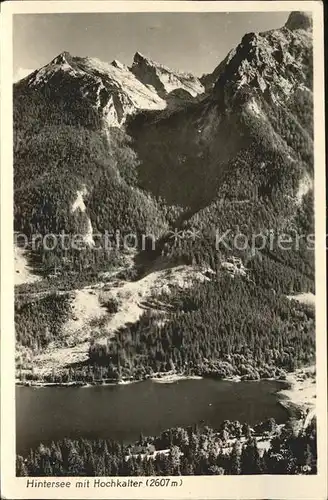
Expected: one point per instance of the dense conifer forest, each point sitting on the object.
(223, 328)
(233, 449)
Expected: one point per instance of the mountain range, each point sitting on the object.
(114, 90)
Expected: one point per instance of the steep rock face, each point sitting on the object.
(163, 79)
(299, 20)
(237, 160)
(241, 161)
(274, 62)
(210, 79)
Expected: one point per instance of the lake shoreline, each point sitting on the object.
(301, 391)
(160, 378)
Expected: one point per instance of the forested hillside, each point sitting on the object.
(235, 161)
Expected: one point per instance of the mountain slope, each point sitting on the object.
(263, 94)
(252, 130)
(242, 160)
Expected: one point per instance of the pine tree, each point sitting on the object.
(235, 459)
(174, 460)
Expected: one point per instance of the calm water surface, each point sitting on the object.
(122, 412)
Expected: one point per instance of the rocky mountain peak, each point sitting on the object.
(118, 64)
(140, 58)
(62, 58)
(112, 90)
(299, 20)
(274, 63)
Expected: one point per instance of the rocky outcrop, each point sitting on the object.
(275, 63)
(261, 93)
(299, 20)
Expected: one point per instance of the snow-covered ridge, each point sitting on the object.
(111, 88)
(274, 63)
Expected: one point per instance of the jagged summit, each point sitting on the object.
(113, 89)
(162, 78)
(138, 57)
(117, 64)
(274, 63)
(262, 84)
(62, 58)
(299, 20)
(279, 57)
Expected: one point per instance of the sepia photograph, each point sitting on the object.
(164, 239)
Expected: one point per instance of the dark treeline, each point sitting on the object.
(232, 450)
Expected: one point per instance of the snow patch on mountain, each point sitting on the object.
(79, 202)
(273, 63)
(299, 20)
(79, 205)
(305, 185)
(255, 109)
(113, 89)
(21, 73)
